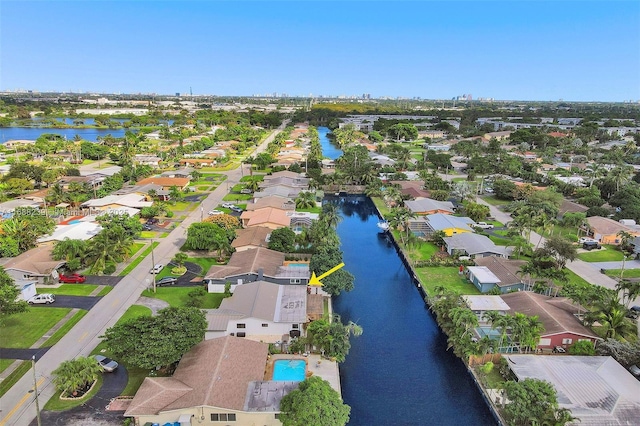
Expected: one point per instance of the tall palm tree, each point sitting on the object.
(69, 249)
(625, 245)
(331, 215)
(306, 200)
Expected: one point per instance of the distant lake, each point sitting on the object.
(33, 133)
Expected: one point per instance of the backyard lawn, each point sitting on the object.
(179, 296)
(447, 276)
(23, 330)
(423, 252)
(204, 262)
(605, 254)
(77, 289)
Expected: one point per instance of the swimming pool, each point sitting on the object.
(290, 370)
(298, 265)
(73, 222)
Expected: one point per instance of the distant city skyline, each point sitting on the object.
(517, 50)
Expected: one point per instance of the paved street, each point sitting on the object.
(80, 302)
(17, 406)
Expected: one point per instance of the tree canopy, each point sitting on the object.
(314, 403)
(325, 258)
(9, 303)
(533, 400)
(149, 342)
(283, 240)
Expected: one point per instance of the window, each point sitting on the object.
(241, 326)
(223, 417)
(567, 341)
(295, 325)
(265, 325)
(294, 281)
(241, 334)
(277, 416)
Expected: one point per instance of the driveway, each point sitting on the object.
(80, 302)
(11, 353)
(193, 270)
(103, 280)
(93, 412)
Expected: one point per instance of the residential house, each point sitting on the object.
(147, 160)
(33, 266)
(482, 304)
(260, 311)
(82, 230)
(278, 190)
(301, 220)
(268, 217)
(198, 162)
(159, 192)
(121, 204)
(382, 160)
(275, 202)
(8, 208)
(596, 389)
(94, 180)
(606, 230)
(105, 171)
(251, 238)
(166, 182)
(557, 315)
(182, 173)
(287, 178)
(507, 271)
(412, 188)
(255, 265)
(219, 381)
(568, 206)
(424, 206)
(450, 225)
(474, 246)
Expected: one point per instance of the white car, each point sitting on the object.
(46, 298)
(583, 240)
(108, 365)
(483, 225)
(156, 269)
(215, 212)
(228, 205)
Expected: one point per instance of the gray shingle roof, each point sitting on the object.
(474, 244)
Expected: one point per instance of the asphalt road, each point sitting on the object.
(18, 404)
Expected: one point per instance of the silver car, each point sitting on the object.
(108, 365)
(42, 298)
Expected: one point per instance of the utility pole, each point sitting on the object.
(35, 389)
(153, 266)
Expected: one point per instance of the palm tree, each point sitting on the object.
(76, 375)
(57, 194)
(595, 170)
(306, 200)
(499, 321)
(629, 289)
(331, 215)
(625, 245)
(68, 249)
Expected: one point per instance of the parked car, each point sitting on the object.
(228, 205)
(152, 221)
(635, 370)
(108, 365)
(559, 350)
(45, 298)
(156, 269)
(72, 278)
(236, 209)
(215, 212)
(166, 281)
(590, 245)
(583, 240)
(483, 225)
(246, 191)
(147, 227)
(634, 312)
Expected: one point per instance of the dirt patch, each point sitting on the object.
(154, 304)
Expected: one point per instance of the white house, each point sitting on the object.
(260, 311)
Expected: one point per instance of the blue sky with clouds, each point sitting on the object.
(571, 50)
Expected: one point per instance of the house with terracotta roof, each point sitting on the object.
(198, 162)
(251, 238)
(166, 182)
(268, 217)
(260, 311)
(219, 381)
(507, 272)
(557, 315)
(424, 206)
(606, 230)
(255, 265)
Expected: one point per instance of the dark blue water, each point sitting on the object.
(33, 133)
(399, 371)
(328, 149)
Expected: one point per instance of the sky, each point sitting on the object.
(515, 50)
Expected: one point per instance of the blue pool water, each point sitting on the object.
(290, 370)
(73, 222)
(298, 265)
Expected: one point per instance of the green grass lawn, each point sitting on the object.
(179, 206)
(605, 254)
(59, 334)
(75, 289)
(137, 246)
(5, 363)
(147, 235)
(576, 279)
(205, 263)
(57, 404)
(500, 241)
(249, 178)
(137, 261)
(447, 276)
(382, 207)
(178, 296)
(23, 330)
(422, 252)
(13, 378)
(237, 197)
(628, 273)
(491, 199)
(310, 210)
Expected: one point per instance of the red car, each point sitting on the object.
(73, 278)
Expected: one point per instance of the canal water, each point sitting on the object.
(329, 150)
(33, 133)
(398, 371)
